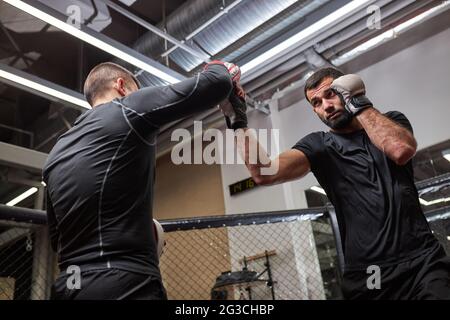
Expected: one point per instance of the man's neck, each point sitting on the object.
(105, 99)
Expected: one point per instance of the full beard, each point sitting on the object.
(340, 122)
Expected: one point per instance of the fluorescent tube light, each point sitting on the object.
(318, 189)
(431, 202)
(388, 35)
(74, 31)
(446, 154)
(23, 196)
(317, 26)
(44, 89)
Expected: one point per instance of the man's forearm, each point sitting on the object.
(253, 154)
(395, 141)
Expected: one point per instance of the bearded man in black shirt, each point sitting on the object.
(364, 165)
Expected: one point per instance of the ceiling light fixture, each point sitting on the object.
(44, 89)
(389, 35)
(318, 189)
(305, 33)
(86, 37)
(446, 154)
(22, 197)
(431, 202)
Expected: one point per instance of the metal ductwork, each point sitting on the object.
(209, 26)
(179, 24)
(278, 24)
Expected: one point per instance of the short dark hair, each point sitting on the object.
(101, 76)
(317, 77)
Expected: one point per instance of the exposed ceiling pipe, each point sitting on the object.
(201, 55)
(314, 59)
(223, 10)
(198, 21)
(271, 29)
(179, 24)
(296, 70)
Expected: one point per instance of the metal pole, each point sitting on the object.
(40, 282)
(269, 272)
(337, 239)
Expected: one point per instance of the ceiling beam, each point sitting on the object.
(19, 157)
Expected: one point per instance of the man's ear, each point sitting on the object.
(119, 85)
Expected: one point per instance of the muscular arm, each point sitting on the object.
(162, 105)
(397, 142)
(289, 165)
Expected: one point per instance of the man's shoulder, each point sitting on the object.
(394, 114)
(316, 135)
(399, 118)
(312, 140)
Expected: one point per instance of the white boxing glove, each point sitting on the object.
(159, 237)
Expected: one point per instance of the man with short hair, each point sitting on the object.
(364, 165)
(100, 177)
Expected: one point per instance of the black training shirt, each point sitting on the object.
(376, 201)
(100, 174)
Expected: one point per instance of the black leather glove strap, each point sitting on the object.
(240, 109)
(360, 102)
(356, 104)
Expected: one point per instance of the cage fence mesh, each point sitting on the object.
(282, 260)
(25, 269)
(295, 259)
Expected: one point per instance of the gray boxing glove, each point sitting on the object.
(352, 92)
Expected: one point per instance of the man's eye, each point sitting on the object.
(329, 94)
